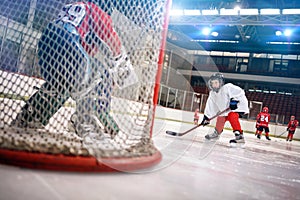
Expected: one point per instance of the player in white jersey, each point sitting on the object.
(222, 96)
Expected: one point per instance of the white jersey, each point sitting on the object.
(219, 101)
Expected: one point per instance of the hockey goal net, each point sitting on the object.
(78, 83)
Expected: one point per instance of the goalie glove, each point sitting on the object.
(205, 121)
(233, 104)
(122, 71)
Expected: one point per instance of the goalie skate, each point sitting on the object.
(95, 127)
(21, 122)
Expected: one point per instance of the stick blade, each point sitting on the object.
(172, 133)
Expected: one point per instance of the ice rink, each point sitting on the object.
(190, 169)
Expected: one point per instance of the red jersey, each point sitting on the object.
(293, 124)
(89, 20)
(196, 114)
(263, 119)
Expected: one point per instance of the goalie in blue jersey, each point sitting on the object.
(66, 51)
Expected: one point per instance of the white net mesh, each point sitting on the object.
(77, 78)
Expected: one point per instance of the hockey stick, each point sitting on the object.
(281, 134)
(183, 133)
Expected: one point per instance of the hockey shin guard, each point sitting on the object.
(220, 124)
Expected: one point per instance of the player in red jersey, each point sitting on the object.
(292, 125)
(196, 116)
(256, 126)
(262, 123)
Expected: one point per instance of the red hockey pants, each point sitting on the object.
(233, 119)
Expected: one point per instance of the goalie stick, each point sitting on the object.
(183, 133)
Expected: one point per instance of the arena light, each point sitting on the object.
(206, 31)
(237, 8)
(176, 12)
(248, 11)
(291, 11)
(287, 32)
(278, 33)
(210, 12)
(218, 41)
(214, 33)
(191, 12)
(224, 11)
(269, 11)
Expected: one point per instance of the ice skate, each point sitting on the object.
(21, 122)
(82, 126)
(238, 141)
(212, 136)
(91, 125)
(258, 136)
(268, 138)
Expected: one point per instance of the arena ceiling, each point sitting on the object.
(236, 29)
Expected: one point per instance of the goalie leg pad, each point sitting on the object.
(40, 108)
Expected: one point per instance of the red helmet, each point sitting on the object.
(265, 109)
(292, 117)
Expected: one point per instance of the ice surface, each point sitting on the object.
(262, 170)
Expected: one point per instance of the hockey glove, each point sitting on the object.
(205, 121)
(288, 129)
(123, 66)
(233, 104)
(122, 71)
